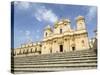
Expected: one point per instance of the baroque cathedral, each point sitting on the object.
(62, 38)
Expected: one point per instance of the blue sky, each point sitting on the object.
(31, 18)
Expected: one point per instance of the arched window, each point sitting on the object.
(65, 39)
(60, 31)
(46, 34)
(55, 41)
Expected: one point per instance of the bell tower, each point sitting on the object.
(80, 21)
(67, 23)
(47, 31)
(82, 42)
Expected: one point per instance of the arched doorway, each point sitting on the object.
(73, 47)
(61, 48)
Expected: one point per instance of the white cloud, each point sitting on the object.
(91, 14)
(43, 14)
(22, 5)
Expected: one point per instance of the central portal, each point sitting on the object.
(61, 48)
(73, 48)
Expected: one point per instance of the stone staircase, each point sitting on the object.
(77, 60)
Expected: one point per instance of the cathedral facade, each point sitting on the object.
(60, 38)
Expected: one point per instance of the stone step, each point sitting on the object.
(55, 56)
(77, 60)
(58, 62)
(56, 68)
(67, 53)
(60, 54)
(55, 65)
(65, 59)
(54, 61)
(29, 70)
(58, 59)
(25, 58)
